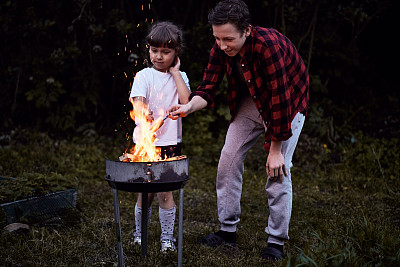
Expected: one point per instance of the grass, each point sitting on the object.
(343, 215)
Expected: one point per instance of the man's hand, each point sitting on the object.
(176, 111)
(275, 165)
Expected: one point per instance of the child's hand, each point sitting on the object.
(149, 116)
(176, 65)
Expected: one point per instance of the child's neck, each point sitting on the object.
(164, 71)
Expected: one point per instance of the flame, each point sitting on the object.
(144, 149)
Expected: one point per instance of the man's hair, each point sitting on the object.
(231, 11)
(165, 34)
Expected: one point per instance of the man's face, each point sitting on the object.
(229, 39)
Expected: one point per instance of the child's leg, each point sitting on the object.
(150, 197)
(167, 211)
(138, 213)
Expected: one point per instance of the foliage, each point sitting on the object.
(361, 243)
(59, 61)
(34, 184)
(39, 165)
(335, 219)
(65, 65)
(379, 159)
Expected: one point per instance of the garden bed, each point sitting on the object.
(39, 208)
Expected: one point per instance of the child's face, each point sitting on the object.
(162, 57)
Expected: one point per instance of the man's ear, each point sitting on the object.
(247, 31)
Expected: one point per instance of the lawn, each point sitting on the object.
(345, 212)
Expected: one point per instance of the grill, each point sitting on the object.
(147, 177)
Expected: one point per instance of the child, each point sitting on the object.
(154, 90)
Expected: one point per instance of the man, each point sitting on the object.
(267, 85)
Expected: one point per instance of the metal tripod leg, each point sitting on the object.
(144, 234)
(118, 228)
(180, 228)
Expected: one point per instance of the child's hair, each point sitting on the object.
(165, 34)
(231, 11)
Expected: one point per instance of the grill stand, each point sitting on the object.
(144, 234)
(118, 227)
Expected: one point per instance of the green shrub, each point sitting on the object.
(373, 163)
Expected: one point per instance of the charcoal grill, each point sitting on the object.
(147, 177)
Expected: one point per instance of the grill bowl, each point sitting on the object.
(148, 177)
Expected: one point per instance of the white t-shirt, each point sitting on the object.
(160, 91)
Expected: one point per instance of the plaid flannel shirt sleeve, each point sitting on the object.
(212, 77)
(288, 85)
(279, 127)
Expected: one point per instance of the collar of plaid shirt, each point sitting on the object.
(276, 77)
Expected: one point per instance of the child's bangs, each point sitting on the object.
(162, 39)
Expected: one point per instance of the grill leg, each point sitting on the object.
(144, 235)
(118, 228)
(180, 228)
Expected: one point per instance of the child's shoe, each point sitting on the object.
(167, 245)
(137, 240)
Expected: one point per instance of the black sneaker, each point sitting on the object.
(272, 254)
(214, 240)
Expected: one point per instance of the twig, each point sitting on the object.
(379, 163)
(14, 105)
(80, 15)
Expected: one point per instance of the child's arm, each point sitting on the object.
(183, 90)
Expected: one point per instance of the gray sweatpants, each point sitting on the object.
(242, 134)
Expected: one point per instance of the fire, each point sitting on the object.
(144, 150)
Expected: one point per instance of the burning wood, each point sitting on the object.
(144, 149)
(127, 157)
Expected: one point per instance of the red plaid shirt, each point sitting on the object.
(275, 75)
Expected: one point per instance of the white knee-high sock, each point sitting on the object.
(167, 221)
(138, 219)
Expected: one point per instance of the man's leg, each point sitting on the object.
(280, 193)
(242, 134)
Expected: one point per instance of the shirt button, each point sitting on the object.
(254, 96)
(242, 65)
(248, 80)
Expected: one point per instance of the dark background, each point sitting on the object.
(66, 66)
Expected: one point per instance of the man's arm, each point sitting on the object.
(195, 104)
